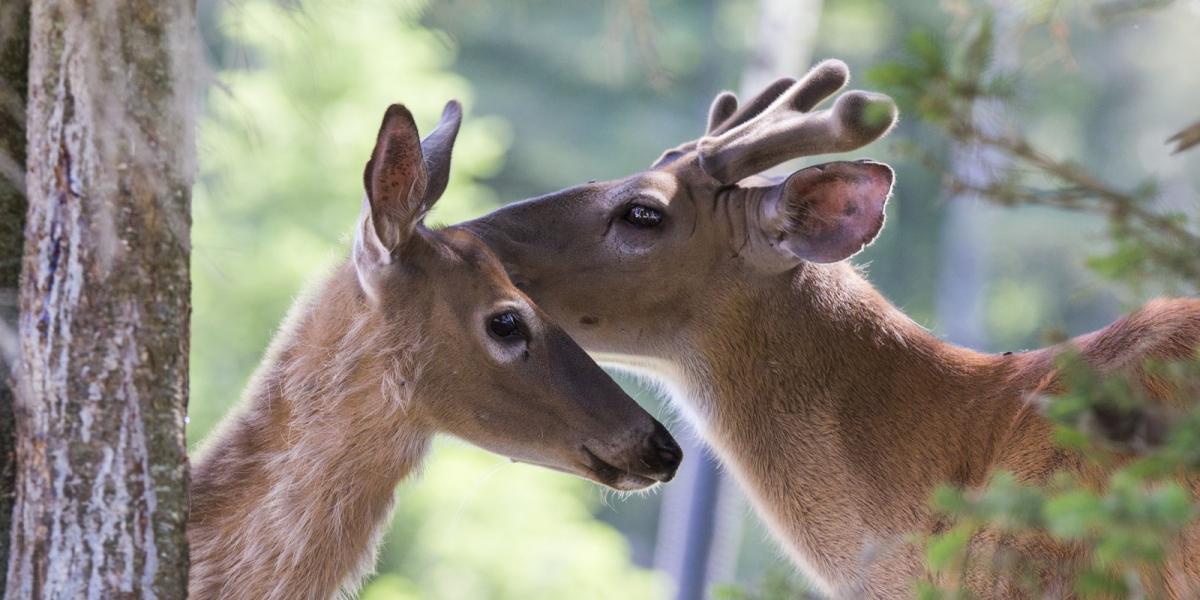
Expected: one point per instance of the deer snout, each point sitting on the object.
(653, 459)
(664, 455)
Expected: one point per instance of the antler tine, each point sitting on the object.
(754, 107)
(779, 125)
(723, 107)
(723, 114)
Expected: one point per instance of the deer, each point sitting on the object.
(731, 291)
(418, 332)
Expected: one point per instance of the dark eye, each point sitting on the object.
(506, 327)
(643, 216)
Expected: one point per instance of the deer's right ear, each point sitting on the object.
(828, 212)
(395, 179)
(403, 179)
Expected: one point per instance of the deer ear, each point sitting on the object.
(437, 147)
(828, 212)
(395, 181)
(403, 179)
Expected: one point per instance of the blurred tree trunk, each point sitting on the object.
(104, 302)
(14, 71)
(783, 42)
(964, 254)
(966, 231)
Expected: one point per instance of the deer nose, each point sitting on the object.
(666, 452)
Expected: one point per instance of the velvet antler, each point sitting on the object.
(779, 124)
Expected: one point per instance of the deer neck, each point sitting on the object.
(291, 494)
(836, 413)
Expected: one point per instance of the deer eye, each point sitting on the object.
(506, 327)
(640, 215)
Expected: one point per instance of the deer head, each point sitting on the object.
(627, 265)
(496, 371)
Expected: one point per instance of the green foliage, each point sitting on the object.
(1121, 525)
(1138, 449)
(282, 147)
(1129, 525)
(941, 80)
(937, 82)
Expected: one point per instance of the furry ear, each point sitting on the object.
(403, 179)
(437, 147)
(395, 180)
(828, 212)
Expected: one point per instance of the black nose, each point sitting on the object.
(666, 451)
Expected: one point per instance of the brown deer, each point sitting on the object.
(836, 412)
(419, 332)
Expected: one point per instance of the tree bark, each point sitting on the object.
(14, 71)
(104, 302)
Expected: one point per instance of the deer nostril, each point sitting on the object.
(665, 447)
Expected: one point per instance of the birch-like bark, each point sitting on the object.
(104, 302)
(14, 71)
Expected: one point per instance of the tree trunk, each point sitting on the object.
(967, 226)
(14, 71)
(783, 43)
(104, 302)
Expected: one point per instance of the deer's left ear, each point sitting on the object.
(828, 212)
(437, 147)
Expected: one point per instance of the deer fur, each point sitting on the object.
(836, 412)
(290, 495)
(403, 340)
(839, 424)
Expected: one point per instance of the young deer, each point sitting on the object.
(419, 332)
(836, 412)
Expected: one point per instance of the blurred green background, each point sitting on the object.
(558, 93)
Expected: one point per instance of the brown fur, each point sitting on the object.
(290, 495)
(836, 413)
(869, 412)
